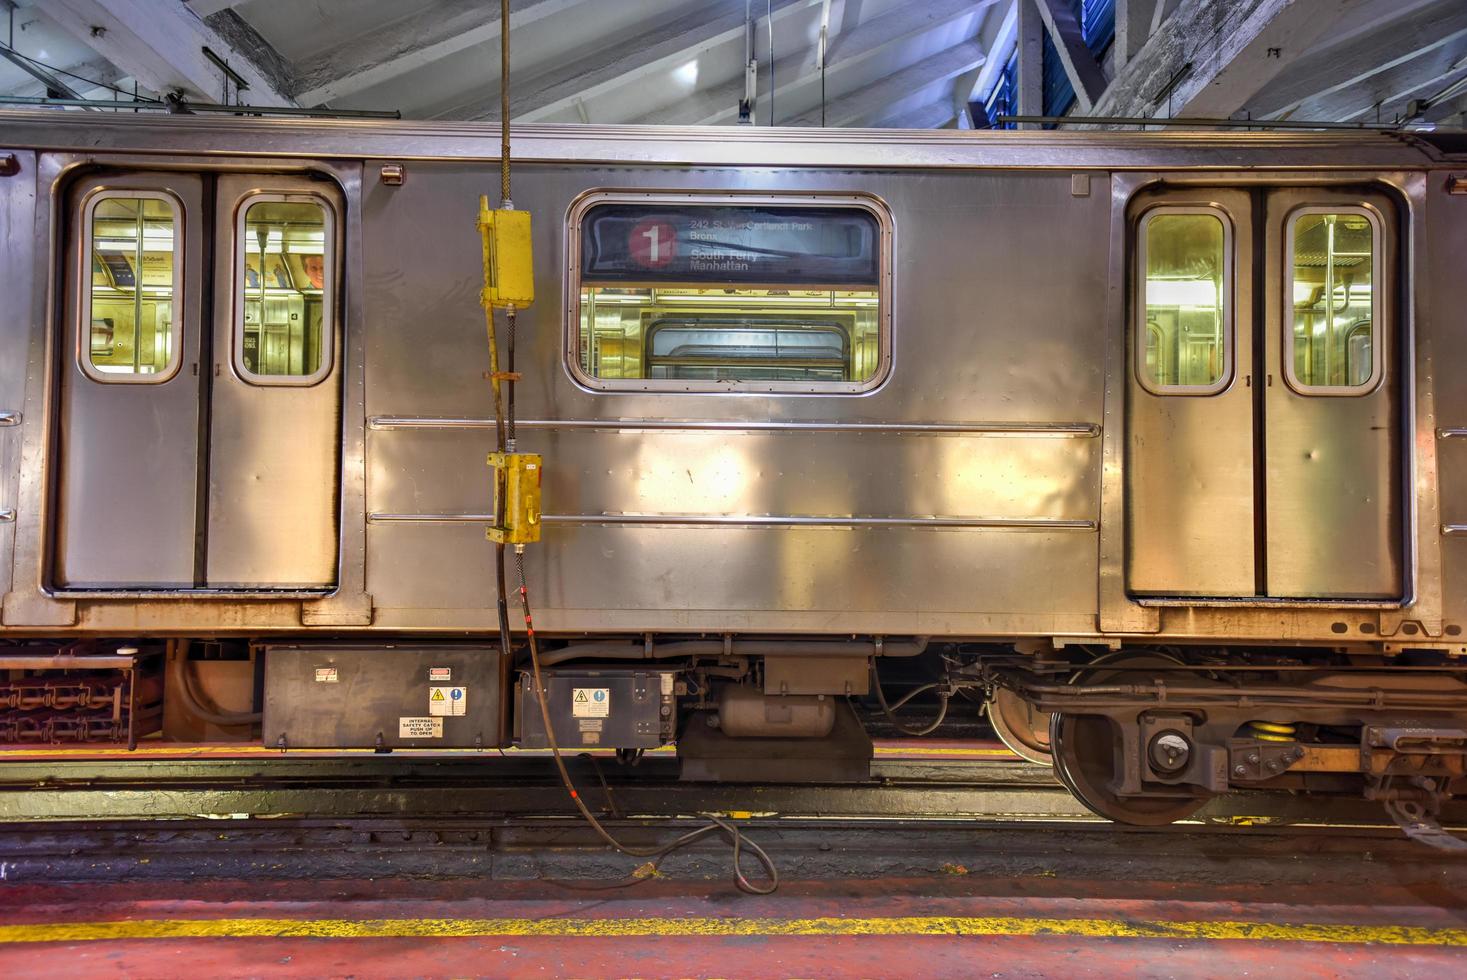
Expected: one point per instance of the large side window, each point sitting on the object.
(685, 293)
(1184, 323)
(129, 325)
(1331, 345)
(284, 284)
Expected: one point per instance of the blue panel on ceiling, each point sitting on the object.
(1003, 100)
(1098, 27)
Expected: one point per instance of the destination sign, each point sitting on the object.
(754, 244)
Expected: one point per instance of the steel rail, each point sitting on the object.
(473, 786)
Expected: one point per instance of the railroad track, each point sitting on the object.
(920, 786)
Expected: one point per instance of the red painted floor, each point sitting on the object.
(896, 956)
(367, 903)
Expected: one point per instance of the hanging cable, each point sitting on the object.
(11, 52)
(824, 54)
(504, 102)
(501, 596)
(890, 710)
(504, 434)
(505, 425)
(716, 824)
(769, 15)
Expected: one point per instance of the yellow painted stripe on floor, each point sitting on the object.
(152, 929)
(959, 753)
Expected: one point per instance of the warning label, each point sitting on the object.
(326, 675)
(448, 700)
(590, 702)
(440, 675)
(420, 728)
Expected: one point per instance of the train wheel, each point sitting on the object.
(1020, 726)
(1086, 752)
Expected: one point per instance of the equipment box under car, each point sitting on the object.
(423, 697)
(614, 709)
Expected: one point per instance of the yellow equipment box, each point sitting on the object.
(517, 476)
(509, 262)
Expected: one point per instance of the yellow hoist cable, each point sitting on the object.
(509, 284)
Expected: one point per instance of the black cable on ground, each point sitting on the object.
(716, 825)
(505, 440)
(890, 710)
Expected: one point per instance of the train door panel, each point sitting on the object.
(1190, 463)
(128, 452)
(1274, 473)
(275, 414)
(1332, 438)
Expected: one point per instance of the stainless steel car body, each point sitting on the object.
(979, 491)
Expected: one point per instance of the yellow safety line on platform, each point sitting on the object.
(918, 750)
(610, 927)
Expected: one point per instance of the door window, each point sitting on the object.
(284, 285)
(129, 325)
(1331, 344)
(1183, 337)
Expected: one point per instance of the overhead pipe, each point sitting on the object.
(736, 648)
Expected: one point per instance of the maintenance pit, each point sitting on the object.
(958, 855)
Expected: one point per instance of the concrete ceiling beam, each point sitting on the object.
(390, 52)
(998, 36)
(874, 101)
(1181, 63)
(1030, 80)
(1160, 12)
(98, 70)
(663, 48)
(1391, 91)
(1085, 74)
(933, 115)
(799, 72)
(1134, 20)
(1363, 53)
(207, 8)
(1273, 41)
(162, 46)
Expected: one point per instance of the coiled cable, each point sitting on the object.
(716, 824)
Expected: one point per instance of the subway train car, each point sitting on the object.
(1156, 443)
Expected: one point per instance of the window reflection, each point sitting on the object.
(730, 292)
(285, 288)
(1333, 258)
(134, 279)
(1184, 313)
(686, 333)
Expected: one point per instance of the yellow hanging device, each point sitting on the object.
(509, 267)
(509, 284)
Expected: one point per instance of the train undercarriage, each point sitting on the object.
(1140, 735)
